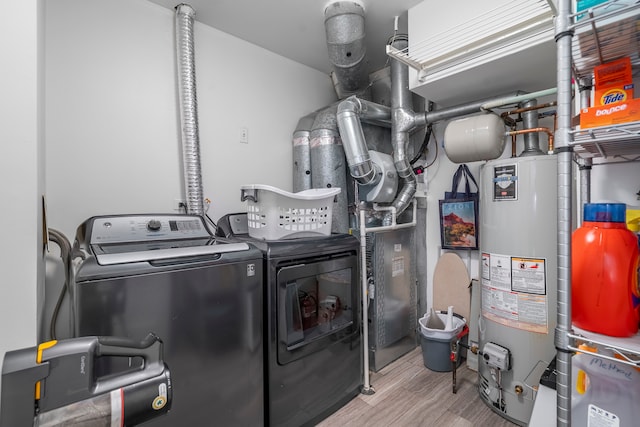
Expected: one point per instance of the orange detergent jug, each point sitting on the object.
(604, 278)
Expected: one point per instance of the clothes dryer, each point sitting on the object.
(313, 346)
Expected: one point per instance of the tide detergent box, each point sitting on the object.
(613, 82)
(620, 112)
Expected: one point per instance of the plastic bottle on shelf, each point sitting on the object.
(604, 276)
(603, 392)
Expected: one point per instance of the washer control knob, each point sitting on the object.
(154, 225)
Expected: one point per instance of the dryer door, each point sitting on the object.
(316, 305)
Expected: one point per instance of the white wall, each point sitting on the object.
(616, 183)
(21, 172)
(112, 112)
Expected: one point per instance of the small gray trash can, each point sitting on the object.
(436, 343)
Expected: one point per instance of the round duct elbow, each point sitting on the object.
(344, 28)
(474, 138)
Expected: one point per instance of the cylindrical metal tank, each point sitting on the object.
(518, 210)
(301, 154)
(473, 138)
(329, 165)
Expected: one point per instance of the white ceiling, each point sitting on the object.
(295, 28)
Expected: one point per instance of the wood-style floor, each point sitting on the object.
(408, 394)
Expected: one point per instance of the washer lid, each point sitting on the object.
(120, 239)
(110, 254)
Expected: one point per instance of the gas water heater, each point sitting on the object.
(518, 223)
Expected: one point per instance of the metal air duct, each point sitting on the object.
(530, 121)
(189, 109)
(328, 168)
(403, 120)
(372, 170)
(361, 167)
(301, 153)
(344, 28)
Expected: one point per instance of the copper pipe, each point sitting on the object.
(506, 117)
(513, 145)
(546, 130)
(533, 107)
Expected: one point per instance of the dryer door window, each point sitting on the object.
(316, 302)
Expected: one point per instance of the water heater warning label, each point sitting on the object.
(514, 291)
(527, 275)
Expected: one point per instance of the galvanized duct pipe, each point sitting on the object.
(374, 114)
(403, 120)
(344, 28)
(301, 153)
(189, 109)
(328, 167)
(362, 169)
(530, 121)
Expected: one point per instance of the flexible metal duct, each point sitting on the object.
(403, 120)
(301, 154)
(189, 109)
(344, 28)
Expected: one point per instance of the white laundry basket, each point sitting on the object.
(275, 214)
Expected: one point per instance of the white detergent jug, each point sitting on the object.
(604, 393)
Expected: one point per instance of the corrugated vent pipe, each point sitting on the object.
(344, 29)
(189, 109)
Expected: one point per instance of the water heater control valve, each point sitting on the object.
(497, 356)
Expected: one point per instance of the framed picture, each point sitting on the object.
(459, 223)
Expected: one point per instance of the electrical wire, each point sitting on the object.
(207, 218)
(425, 143)
(435, 157)
(210, 221)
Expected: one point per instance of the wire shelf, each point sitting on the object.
(605, 33)
(523, 23)
(608, 142)
(627, 350)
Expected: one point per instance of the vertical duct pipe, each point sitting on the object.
(328, 167)
(344, 30)
(403, 120)
(189, 109)
(301, 153)
(530, 121)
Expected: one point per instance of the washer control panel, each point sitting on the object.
(145, 228)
